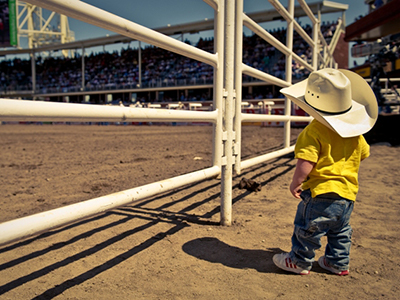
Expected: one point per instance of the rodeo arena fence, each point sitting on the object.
(226, 114)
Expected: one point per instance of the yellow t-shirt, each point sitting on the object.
(337, 160)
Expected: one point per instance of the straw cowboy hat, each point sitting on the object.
(340, 99)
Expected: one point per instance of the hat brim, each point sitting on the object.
(358, 120)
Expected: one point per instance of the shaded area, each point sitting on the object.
(385, 130)
(215, 251)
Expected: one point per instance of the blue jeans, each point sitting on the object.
(329, 215)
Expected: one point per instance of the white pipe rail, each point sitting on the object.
(213, 3)
(237, 122)
(218, 79)
(288, 71)
(229, 97)
(315, 51)
(35, 224)
(289, 18)
(336, 36)
(274, 118)
(23, 110)
(263, 158)
(90, 14)
(308, 11)
(262, 33)
(302, 62)
(266, 36)
(335, 39)
(264, 76)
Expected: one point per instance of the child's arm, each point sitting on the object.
(303, 168)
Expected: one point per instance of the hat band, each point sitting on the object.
(328, 112)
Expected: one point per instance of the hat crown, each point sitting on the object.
(329, 91)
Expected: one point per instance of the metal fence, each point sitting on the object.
(226, 116)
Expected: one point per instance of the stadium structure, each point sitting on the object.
(376, 36)
(156, 91)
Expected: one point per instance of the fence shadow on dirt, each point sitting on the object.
(163, 212)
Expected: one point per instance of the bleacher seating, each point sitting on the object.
(160, 68)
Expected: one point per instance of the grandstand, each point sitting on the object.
(153, 74)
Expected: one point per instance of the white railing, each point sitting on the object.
(226, 117)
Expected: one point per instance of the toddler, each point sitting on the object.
(328, 152)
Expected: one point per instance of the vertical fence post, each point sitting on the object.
(315, 45)
(226, 170)
(289, 58)
(219, 17)
(237, 126)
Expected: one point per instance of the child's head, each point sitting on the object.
(340, 99)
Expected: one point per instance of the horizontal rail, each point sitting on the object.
(383, 79)
(273, 118)
(263, 158)
(18, 229)
(263, 76)
(303, 34)
(308, 11)
(302, 62)
(92, 15)
(213, 3)
(261, 32)
(269, 38)
(25, 110)
(286, 15)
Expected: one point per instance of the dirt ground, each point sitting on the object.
(172, 246)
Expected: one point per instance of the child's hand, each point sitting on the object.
(295, 189)
(303, 168)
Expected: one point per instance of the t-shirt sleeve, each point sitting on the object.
(307, 146)
(364, 148)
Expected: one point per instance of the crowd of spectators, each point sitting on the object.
(119, 70)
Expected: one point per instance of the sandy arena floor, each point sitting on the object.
(171, 246)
